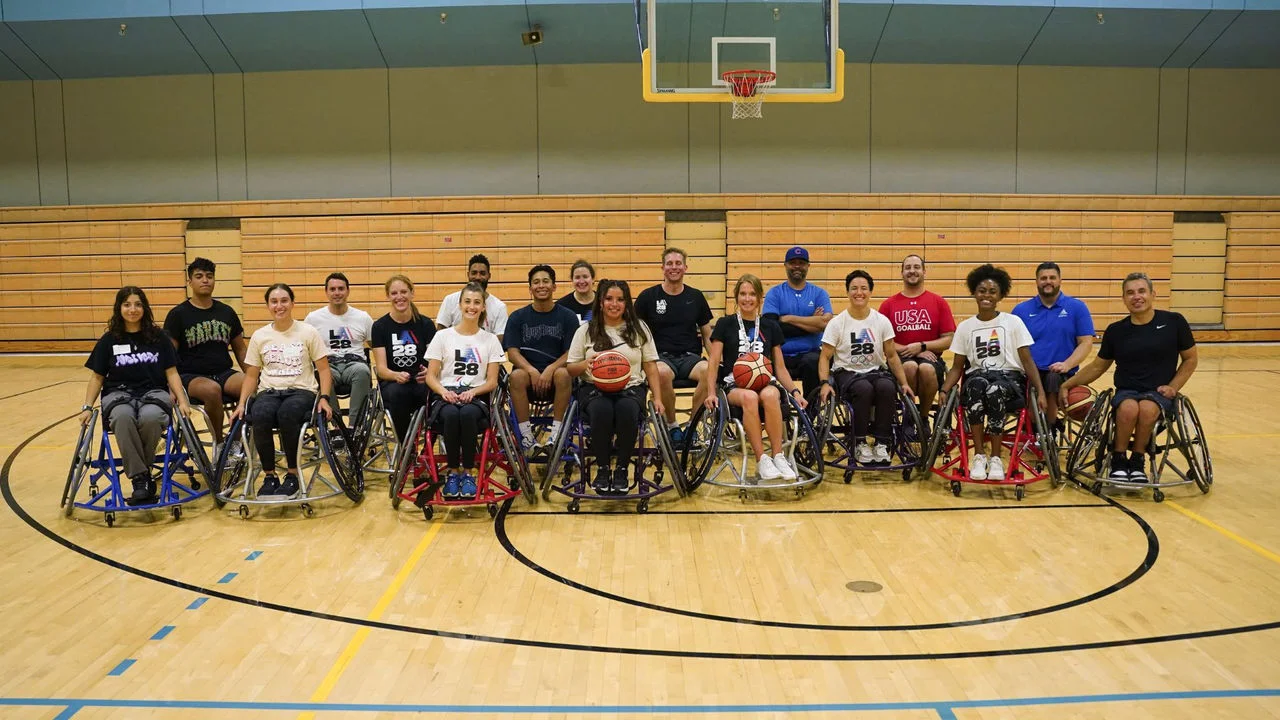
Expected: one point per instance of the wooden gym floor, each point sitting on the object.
(1062, 605)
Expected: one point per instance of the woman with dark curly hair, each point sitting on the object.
(992, 350)
(135, 368)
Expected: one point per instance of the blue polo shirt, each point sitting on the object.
(1055, 328)
(785, 300)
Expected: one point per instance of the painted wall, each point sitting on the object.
(584, 129)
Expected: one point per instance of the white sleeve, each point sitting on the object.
(832, 332)
(578, 348)
(1021, 335)
(436, 348)
(496, 353)
(448, 312)
(500, 319)
(960, 341)
(886, 329)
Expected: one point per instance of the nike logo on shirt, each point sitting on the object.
(1161, 327)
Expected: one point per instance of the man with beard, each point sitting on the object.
(803, 310)
(537, 343)
(1063, 330)
(923, 326)
(495, 320)
(680, 319)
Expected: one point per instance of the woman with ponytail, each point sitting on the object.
(400, 340)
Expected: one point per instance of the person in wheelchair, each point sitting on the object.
(614, 417)
(346, 330)
(734, 336)
(537, 341)
(462, 369)
(400, 340)
(284, 358)
(1155, 354)
(135, 369)
(993, 353)
(859, 362)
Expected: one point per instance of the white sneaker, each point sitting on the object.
(528, 444)
(978, 468)
(783, 467)
(766, 470)
(863, 454)
(995, 469)
(880, 455)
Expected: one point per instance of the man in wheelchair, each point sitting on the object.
(1155, 354)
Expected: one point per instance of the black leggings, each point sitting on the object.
(283, 409)
(615, 425)
(992, 395)
(461, 425)
(402, 401)
(865, 390)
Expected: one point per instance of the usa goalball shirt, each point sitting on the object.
(859, 344)
(992, 344)
(923, 318)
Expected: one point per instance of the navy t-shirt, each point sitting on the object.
(541, 337)
(1146, 356)
(676, 320)
(132, 364)
(404, 343)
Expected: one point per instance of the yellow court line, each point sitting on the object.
(1214, 526)
(349, 653)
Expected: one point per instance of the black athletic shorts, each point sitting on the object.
(221, 378)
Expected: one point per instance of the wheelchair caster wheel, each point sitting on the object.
(1158, 495)
(955, 488)
(428, 512)
(111, 519)
(906, 475)
(1096, 489)
(493, 510)
(799, 493)
(244, 512)
(308, 511)
(1018, 491)
(93, 490)
(574, 505)
(177, 513)
(742, 494)
(195, 484)
(643, 506)
(848, 476)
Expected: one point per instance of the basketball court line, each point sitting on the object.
(1245, 542)
(42, 387)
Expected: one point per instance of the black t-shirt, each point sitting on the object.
(674, 319)
(131, 363)
(582, 310)
(203, 336)
(727, 331)
(1146, 356)
(541, 337)
(405, 343)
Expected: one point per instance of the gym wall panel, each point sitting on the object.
(317, 134)
(1087, 130)
(51, 142)
(144, 139)
(19, 177)
(1171, 160)
(943, 128)
(228, 108)
(464, 131)
(1233, 145)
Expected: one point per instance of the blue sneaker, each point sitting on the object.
(468, 486)
(451, 483)
(677, 436)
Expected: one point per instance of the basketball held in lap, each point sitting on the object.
(752, 371)
(610, 371)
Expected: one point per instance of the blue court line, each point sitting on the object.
(945, 709)
(195, 604)
(124, 665)
(227, 578)
(254, 555)
(68, 712)
(162, 632)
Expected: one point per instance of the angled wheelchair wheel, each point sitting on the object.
(407, 455)
(520, 477)
(823, 415)
(807, 445)
(1090, 442)
(666, 451)
(1192, 444)
(911, 438)
(232, 464)
(195, 449)
(555, 460)
(943, 419)
(79, 463)
(1046, 441)
(344, 458)
(702, 441)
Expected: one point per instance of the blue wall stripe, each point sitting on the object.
(195, 604)
(227, 578)
(163, 632)
(122, 667)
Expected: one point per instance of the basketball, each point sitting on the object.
(610, 371)
(1078, 395)
(752, 371)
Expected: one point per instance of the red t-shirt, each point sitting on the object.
(918, 319)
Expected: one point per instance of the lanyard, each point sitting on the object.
(745, 342)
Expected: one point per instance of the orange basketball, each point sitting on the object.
(752, 371)
(610, 371)
(1078, 401)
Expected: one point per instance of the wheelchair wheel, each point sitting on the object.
(807, 445)
(1091, 440)
(911, 439)
(556, 457)
(941, 430)
(1044, 438)
(666, 451)
(823, 414)
(233, 462)
(407, 455)
(344, 459)
(702, 442)
(1193, 445)
(79, 464)
(520, 477)
(195, 449)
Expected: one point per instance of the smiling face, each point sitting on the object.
(747, 299)
(987, 295)
(279, 304)
(337, 291)
(797, 270)
(400, 295)
(613, 304)
(673, 267)
(541, 286)
(471, 304)
(132, 310)
(201, 283)
(1048, 283)
(582, 281)
(1137, 296)
(913, 271)
(859, 293)
(479, 273)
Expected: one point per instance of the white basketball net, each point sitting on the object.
(747, 89)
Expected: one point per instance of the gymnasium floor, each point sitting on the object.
(1062, 605)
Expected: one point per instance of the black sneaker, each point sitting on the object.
(144, 490)
(603, 484)
(1137, 471)
(290, 486)
(620, 481)
(270, 486)
(1119, 467)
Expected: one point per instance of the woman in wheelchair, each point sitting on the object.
(614, 417)
(400, 340)
(284, 357)
(462, 369)
(734, 336)
(859, 362)
(993, 353)
(135, 370)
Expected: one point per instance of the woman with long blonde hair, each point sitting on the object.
(400, 340)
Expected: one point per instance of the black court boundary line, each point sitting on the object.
(18, 510)
(43, 387)
(1148, 562)
(830, 511)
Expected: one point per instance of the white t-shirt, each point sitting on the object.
(859, 344)
(287, 358)
(992, 344)
(464, 359)
(495, 319)
(345, 334)
(582, 349)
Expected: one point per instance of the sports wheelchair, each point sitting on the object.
(833, 421)
(716, 444)
(329, 464)
(419, 459)
(1033, 451)
(1177, 445)
(571, 461)
(181, 455)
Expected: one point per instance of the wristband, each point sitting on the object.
(924, 347)
(85, 407)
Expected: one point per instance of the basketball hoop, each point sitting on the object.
(747, 88)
